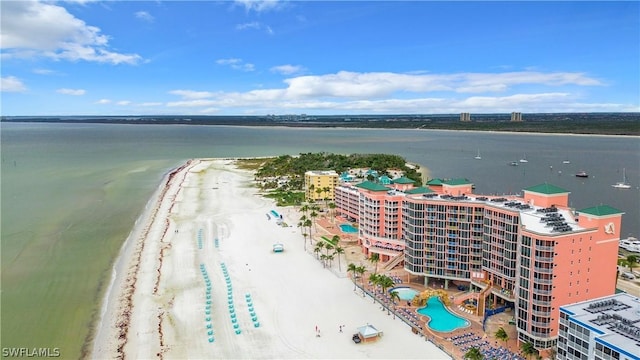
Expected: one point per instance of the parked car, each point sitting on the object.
(356, 338)
(627, 275)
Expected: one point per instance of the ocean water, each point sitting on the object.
(71, 193)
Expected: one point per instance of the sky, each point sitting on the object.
(247, 57)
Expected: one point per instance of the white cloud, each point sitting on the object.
(32, 28)
(123, 103)
(103, 101)
(145, 16)
(287, 69)
(260, 5)
(190, 94)
(43, 71)
(382, 92)
(236, 64)
(74, 92)
(150, 104)
(11, 84)
(251, 25)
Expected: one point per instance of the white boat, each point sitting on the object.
(623, 184)
(566, 162)
(630, 244)
(478, 157)
(524, 159)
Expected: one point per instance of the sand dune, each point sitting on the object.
(208, 223)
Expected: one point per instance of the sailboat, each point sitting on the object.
(623, 184)
(524, 159)
(478, 157)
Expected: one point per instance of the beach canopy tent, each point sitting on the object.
(369, 333)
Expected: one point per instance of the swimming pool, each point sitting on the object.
(348, 228)
(405, 293)
(441, 319)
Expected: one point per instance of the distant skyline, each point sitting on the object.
(244, 57)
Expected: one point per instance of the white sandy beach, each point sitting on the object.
(157, 306)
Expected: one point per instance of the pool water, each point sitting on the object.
(405, 293)
(348, 228)
(441, 319)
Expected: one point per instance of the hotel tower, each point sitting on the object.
(531, 253)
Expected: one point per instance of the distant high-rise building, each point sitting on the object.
(465, 116)
(516, 116)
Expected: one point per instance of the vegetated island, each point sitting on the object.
(282, 178)
(567, 123)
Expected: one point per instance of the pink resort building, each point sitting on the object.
(530, 252)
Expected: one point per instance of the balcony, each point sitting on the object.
(541, 313)
(544, 259)
(544, 248)
(543, 270)
(541, 324)
(542, 292)
(543, 281)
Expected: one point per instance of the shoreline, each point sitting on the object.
(116, 301)
(311, 128)
(154, 305)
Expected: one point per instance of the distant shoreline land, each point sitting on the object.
(560, 123)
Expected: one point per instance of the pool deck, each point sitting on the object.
(327, 226)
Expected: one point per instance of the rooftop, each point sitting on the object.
(547, 189)
(601, 210)
(614, 319)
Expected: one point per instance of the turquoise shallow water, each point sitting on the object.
(71, 193)
(405, 293)
(348, 228)
(441, 319)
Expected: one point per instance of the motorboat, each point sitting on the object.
(566, 162)
(582, 174)
(623, 184)
(630, 244)
(513, 163)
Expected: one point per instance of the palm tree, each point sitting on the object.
(308, 223)
(328, 247)
(339, 251)
(385, 282)
(353, 269)
(528, 349)
(330, 259)
(317, 249)
(311, 190)
(326, 190)
(361, 270)
(394, 297)
(313, 216)
(332, 212)
(374, 259)
(318, 191)
(374, 279)
(501, 334)
(323, 257)
(474, 354)
(305, 209)
(305, 240)
(632, 260)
